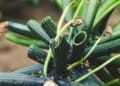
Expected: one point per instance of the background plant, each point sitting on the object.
(82, 51)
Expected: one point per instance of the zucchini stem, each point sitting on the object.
(86, 56)
(50, 53)
(45, 69)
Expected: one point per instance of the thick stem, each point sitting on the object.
(78, 46)
(86, 56)
(112, 82)
(57, 37)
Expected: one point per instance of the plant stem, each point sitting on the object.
(112, 82)
(75, 15)
(59, 32)
(86, 56)
(24, 41)
(47, 60)
(63, 16)
(62, 30)
(98, 68)
(49, 52)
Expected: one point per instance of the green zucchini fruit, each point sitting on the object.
(104, 72)
(83, 9)
(105, 10)
(34, 69)
(69, 14)
(100, 27)
(8, 79)
(21, 29)
(36, 54)
(24, 41)
(105, 58)
(36, 28)
(106, 48)
(91, 14)
(49, 26)
(78, 46)
(20, 80)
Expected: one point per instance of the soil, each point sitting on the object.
(13, 56)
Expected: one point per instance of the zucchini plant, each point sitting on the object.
(80, 50)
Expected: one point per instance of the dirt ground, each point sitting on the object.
(13, 56)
